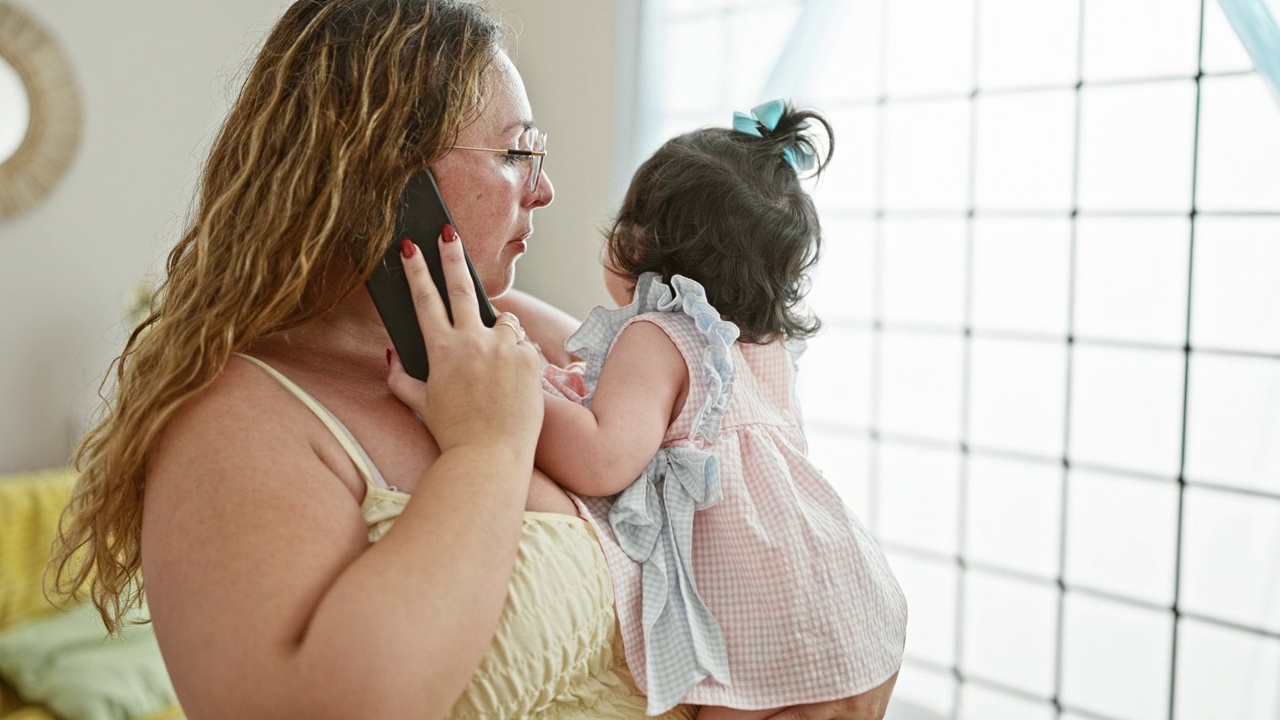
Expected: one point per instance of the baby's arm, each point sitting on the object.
(600, 451)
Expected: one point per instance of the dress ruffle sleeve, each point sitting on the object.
(653, 518)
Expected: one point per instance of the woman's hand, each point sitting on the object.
(870, 705)
(484, 388)
(548, 326)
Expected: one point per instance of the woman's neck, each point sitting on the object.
(354, 323)
(350, 337)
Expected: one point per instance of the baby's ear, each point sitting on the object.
(624, 245)
(623, 231)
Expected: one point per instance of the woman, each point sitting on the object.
(288, 573)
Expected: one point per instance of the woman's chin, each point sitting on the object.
(497, 287)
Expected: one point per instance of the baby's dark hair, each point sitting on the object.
(726, 209)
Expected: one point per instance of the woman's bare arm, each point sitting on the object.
(260, 577)
(267, 598)
(547, 325)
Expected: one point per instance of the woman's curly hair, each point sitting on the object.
(346, 100)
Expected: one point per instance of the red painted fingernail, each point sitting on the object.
(388, 357)
(407, 248)
(449, 233)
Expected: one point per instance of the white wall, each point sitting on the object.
(156, 78)
(566, 50)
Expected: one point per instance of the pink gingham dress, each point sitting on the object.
(808, 608)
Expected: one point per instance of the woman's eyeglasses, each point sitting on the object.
(532, 148)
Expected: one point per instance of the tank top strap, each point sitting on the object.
(344, 436)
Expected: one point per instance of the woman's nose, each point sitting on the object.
(544, 192)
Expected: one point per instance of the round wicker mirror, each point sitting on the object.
(39, 112)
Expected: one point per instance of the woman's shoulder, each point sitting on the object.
(235, 407)
(243, 424)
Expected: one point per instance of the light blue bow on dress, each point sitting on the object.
(653, 520)
(766, 115)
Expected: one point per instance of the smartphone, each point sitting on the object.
(421, 217)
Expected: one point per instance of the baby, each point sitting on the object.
(743, 582)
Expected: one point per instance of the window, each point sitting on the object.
(1050, 376)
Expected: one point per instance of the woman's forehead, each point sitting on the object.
(506, 111)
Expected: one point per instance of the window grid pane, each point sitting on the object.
(1149, 184)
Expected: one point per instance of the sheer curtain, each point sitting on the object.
(1050, 375)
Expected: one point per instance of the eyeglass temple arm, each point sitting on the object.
(510, 151)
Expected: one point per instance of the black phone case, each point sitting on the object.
(421, 216)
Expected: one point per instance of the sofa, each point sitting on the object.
(56, 662)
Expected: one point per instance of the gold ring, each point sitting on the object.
(514, 328)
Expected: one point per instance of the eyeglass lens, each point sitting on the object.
(534, 139)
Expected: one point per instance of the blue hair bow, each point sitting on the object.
(766, 115)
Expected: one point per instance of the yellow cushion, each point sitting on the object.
(31, 712)
(10, 703)
(12, 708)
(30, 505)
(171, 713)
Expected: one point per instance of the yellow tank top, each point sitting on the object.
(557, 652)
